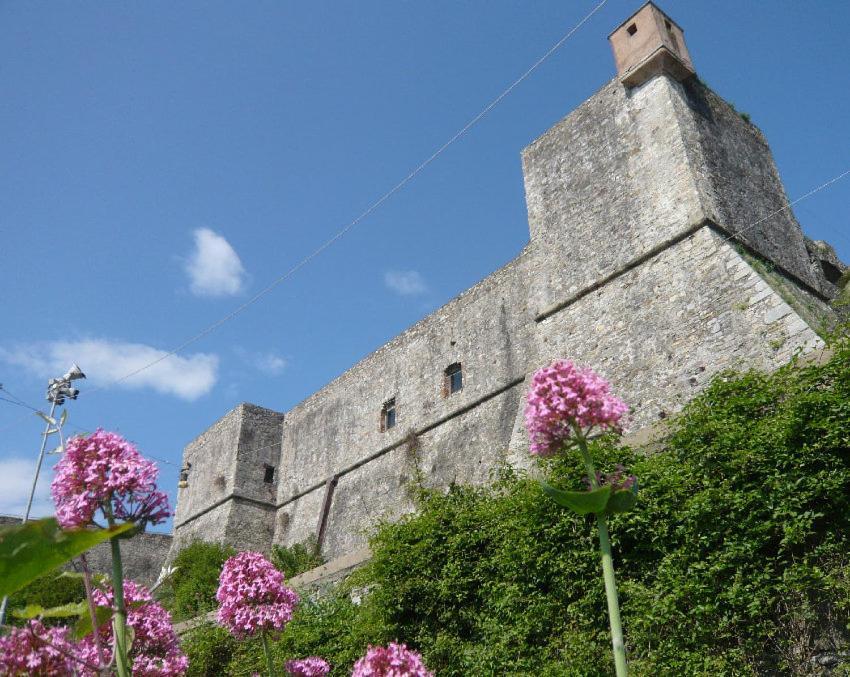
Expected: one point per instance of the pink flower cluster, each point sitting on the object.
(252, 596)
(395, 660)
(105, 471)
(156, 650)
(562, 396)
(308, 667)
(32, 650)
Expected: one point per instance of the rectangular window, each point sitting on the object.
(268, 476)
(388, 415)
(453, 379)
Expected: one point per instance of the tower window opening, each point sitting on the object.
(671, 34)
(631, 30)
(388, 415)
(453, 379)
(831, 272)
(268, 474)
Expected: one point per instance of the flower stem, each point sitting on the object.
(92, 610)
(269, 662)
(607, 567)
(611, 595)
(119, 618)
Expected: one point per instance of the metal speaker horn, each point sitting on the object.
(74, 373)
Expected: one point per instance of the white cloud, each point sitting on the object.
(405, 282)
(16, 481)
(214, 268)
(268, 363)
(104, 361)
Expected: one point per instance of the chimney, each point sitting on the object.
(647, 44)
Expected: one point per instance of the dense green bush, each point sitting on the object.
(190, 591)
(734, 563)
(51, 590)
(297, 558)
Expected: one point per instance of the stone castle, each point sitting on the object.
(662, 250)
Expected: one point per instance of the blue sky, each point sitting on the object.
(161, 162)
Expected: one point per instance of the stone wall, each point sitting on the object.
(227, 498)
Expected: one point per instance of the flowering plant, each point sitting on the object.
(106, 472)
(395, 660)
(36, 650)
(253, 599)
(99, 474)
(308, 667)
(155, 649)
(565, 404)
(252, 596)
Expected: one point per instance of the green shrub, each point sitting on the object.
(210, 650)
(734, 563)
(48, 591)
(297, 558)
(191, 589)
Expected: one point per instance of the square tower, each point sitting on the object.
(648, 43)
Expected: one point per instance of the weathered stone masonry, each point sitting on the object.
(652, 209)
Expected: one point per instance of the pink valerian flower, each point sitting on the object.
(155, 651)
(105, 471)
(562, 396)
(252, 596)
(35, 650)
(395, 660)
(308, 667)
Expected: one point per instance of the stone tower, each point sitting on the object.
(662, 251)
(229, 481)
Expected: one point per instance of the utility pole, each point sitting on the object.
(58, 390)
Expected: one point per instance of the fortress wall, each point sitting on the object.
(488, 329)
(464, 449)
(142, 557)
(298, 520)
(213, 457)
(259, 446)
(661, 331)
(739, 182)
(606, 185)
(210, 526)
(249, 526)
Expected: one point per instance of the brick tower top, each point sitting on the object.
(648, 43)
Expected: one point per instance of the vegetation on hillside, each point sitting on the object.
(734, 562)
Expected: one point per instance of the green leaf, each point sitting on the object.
(38, 611)
(46, 418)
(83, 626)
(63, 418)
(97, 578)
(581, 502)
(622, 500)
(30, 550)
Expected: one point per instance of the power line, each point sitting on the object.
(369, 210)
(4, 399)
